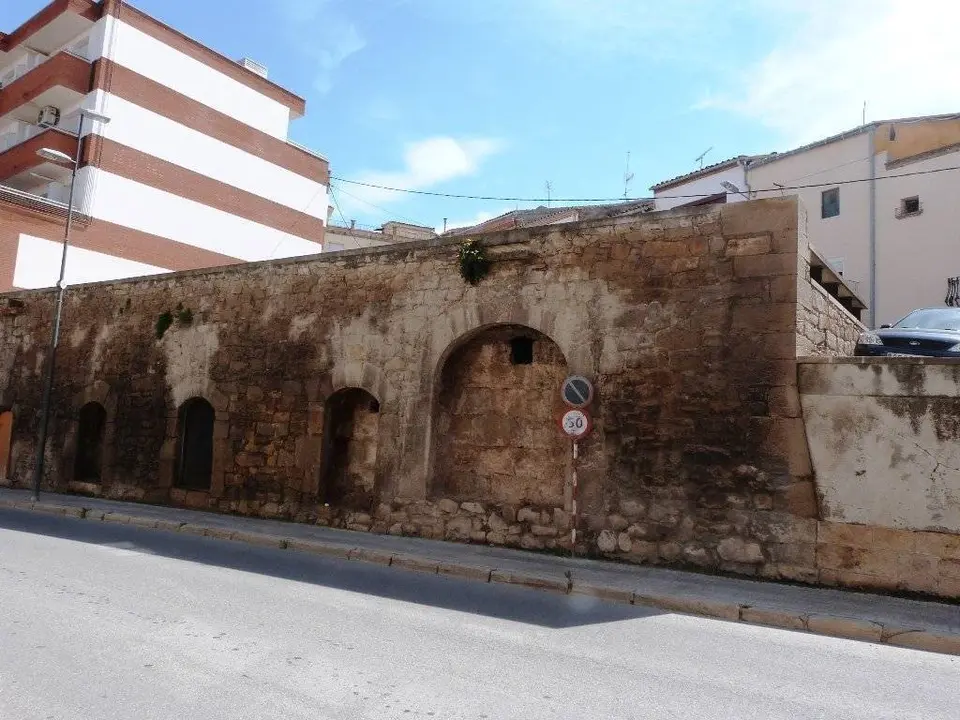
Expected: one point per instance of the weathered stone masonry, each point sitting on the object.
(376, 390)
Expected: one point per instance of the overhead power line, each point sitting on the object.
(504, 198)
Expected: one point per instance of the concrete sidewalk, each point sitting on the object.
(928, 626)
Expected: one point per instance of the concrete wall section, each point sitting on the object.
(885, 441)
(138, 51)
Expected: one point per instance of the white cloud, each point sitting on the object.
(320, 33)
(426, 163)
(901, 58)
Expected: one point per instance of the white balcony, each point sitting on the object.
(17, 132)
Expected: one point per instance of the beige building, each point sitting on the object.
(881, 203)
(340, 237)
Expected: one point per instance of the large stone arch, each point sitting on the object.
(494, 434)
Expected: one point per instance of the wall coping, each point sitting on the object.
(440, 245)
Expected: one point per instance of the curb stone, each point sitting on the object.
(821, 624)
(772, 618)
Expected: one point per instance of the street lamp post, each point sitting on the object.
(60, 158)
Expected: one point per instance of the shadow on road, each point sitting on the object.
(494, 600)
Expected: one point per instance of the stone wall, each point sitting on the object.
(824, 327)
(381, 381)
(884, 437)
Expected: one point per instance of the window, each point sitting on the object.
(830, 203)
(909, 206)
(521, 351)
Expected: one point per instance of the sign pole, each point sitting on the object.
(573, 527)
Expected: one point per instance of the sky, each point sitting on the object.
(505, 97)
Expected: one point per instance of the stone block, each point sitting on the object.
(918, 573)
(544, 531)
(697, 554)
(473, 508)
(755, 245)
(857, 536)
(531, 542)
(633, 509)
(852, 628)
(561, 519)
(643, 550)
(607, 542)
(497, 523)
(459, 528)
(948, 644)
(769, 265)
(528, 515)
(618, 523)
(624, 543)
(740, 551)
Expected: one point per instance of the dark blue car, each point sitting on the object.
(932, 332)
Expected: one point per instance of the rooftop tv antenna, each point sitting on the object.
(627, 177)
(702, 155)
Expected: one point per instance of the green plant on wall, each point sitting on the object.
(474, 264)
(183, 315)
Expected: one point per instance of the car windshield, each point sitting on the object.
(934, 319)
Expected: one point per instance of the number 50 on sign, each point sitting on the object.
(575, 424)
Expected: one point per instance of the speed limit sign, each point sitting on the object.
(575, 424)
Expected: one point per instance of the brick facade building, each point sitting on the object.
(194, 169)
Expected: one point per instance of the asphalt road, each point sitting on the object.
(105, 621)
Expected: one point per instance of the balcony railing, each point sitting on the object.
(17, 132)
(953, 292)
(21, 68)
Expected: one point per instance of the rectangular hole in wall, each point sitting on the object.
(521, 351)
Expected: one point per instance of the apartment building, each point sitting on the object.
(194, 167)
(881, 205)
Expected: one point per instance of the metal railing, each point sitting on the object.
(953, 292)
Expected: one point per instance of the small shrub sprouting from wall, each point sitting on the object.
(474, 264)
(184, 316)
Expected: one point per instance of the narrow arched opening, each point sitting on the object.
(350, 439)
(195, 445)
(91, 429)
